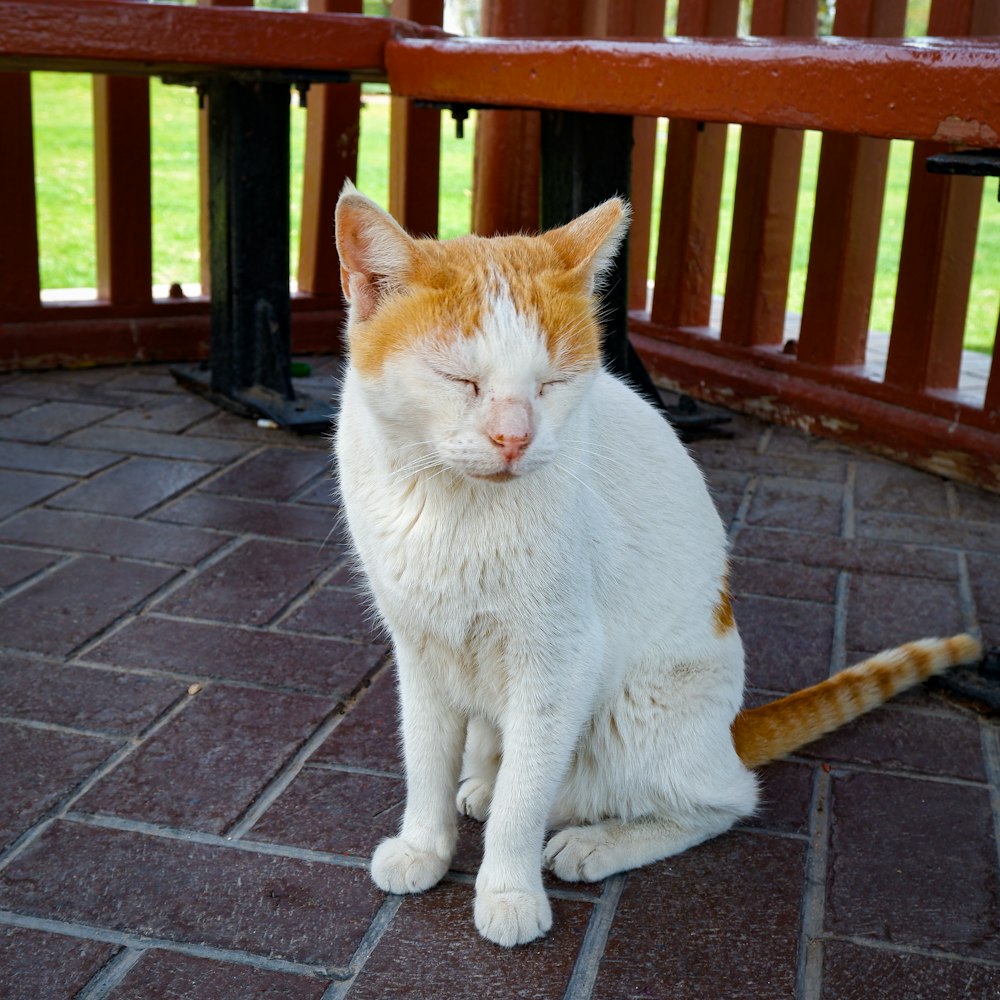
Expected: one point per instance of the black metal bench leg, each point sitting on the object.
(586, 159)
(250, 368)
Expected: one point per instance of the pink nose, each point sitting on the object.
(508, 425)
(512, 446)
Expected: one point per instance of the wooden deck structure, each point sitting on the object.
(862, 87)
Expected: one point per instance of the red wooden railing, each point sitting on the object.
(940, 93)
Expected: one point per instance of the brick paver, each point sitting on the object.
(199, 750)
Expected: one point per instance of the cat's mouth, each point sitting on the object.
(495, 477)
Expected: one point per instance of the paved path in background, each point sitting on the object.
(197, 735)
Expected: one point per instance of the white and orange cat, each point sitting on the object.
(552, 571)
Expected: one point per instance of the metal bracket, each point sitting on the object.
(300, 413)
(979, 682)
(966, 162)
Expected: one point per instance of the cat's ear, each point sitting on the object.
(589, 243)
(376, 254)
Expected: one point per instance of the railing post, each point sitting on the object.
(850, 189)
(415, 143)
(692, 191)
(767, 184)
(642, 19)
(506, 187)
(333, 118)
(123, 189)
(508, 143)
(939, 242)
(19, 278)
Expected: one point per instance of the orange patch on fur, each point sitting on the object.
(448, 285)
(723, 614)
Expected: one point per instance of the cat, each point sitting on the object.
(552, 570)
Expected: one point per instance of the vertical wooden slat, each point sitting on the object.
(692, 188)
(767, 185)
(991, 404)
(850, 189)
(506, 185)
(19, 279)
(939, 240)
(331, 156)
(204, 230)
(642, 19)
(123, 190)
(415, 143)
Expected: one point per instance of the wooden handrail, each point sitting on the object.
(939, 89)
(155, 39)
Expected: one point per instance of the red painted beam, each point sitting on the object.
(108, 36)
(911, 89)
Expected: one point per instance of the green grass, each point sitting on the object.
(64, 173)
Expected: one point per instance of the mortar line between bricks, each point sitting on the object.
(897, 948)
(928, 546)
(595, 939)
(307, 488)
(285, 776)
(110, 975)
(129, 615)
(966, 596)
(253, 629)
(739, 520)
(257, 629)
(809, 972)
(376, 929)
(182, 576)
(368, 772)
(192, 487)
(55, 727)
(43, 500)
(142, 942)
(553, 892)
(63, 806)
(838, 643)
(990, 738)
(951, 499)
(304, 596)
(215, 840)
(37, 577)
(845, 767)
(848, 513)
(175, 675)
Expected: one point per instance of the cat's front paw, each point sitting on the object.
(513, 916)
(399, 867)
(474, 797)
(580, 854)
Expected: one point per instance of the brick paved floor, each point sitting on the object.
(197, 748)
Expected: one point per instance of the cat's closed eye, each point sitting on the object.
(551, 384)
(469, 384)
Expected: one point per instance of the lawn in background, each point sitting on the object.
(65, 185)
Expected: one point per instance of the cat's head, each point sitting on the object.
(475, 350)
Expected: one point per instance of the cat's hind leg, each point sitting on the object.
(479, 769)
(592, 852)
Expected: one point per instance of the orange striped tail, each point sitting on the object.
(780, 727)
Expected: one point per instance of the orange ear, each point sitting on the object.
(375, 252)
(591, 240)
